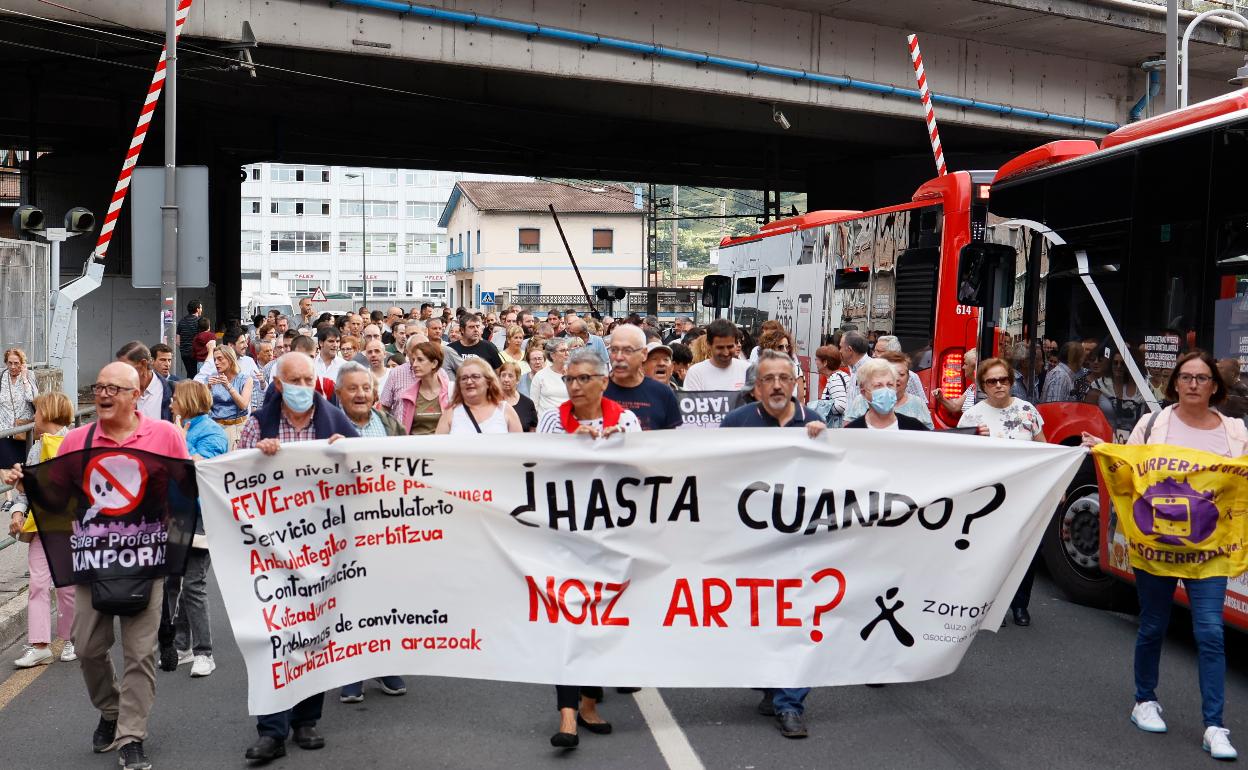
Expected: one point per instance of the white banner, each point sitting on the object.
(726, 558)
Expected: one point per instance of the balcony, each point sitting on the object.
(458, 263)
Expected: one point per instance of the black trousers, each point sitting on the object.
(306, 712)
(1022, 597)
(568, 696)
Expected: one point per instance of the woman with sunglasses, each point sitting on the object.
(778, 339)
(1004, 415)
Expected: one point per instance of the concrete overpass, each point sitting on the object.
(676, 91)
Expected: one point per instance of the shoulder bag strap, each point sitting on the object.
(472, 417)
(90, 436)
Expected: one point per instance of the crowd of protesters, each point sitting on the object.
(390, 373)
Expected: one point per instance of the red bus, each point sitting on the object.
(1137, 244)
(895, 270)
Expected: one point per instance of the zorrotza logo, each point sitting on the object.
(1176, 514)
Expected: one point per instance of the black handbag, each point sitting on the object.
(124, 596)
(121, 596)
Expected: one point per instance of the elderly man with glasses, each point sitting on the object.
(653, 402)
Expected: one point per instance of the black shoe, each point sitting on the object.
(565, 740)
(308, 737)
(791, 724)
(597, 728)
(266, 749)
(627, 690)
(766, 706)
(168, 658)
(1022, 618)
(104, 735)
(133, 757)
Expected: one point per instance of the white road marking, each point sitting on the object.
(673, 744)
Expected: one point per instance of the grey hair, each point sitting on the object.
(874, 367)
(588, 356)
(890, 342)
(553, 344)
(774, 355)
(349, 367)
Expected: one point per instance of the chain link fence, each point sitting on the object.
(24, 298)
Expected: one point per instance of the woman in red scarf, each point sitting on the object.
(585, 412)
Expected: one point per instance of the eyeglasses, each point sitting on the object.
(991, 381)
(784, 346)
(471, 377)
(1199, 379)
(771, 379)
(100, 388)
(620, 351)
(579, 379)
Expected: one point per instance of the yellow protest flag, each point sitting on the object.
(1184, 512)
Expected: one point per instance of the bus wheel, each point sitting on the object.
(1072, 543)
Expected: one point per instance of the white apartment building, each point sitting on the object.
(304, 227)
(503, 240)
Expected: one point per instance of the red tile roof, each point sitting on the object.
(579, 197)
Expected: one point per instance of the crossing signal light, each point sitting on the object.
(27, 219)
(606, 293)
(79, 220)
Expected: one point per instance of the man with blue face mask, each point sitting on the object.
(877, 382)
(775, 407)
(301, 414)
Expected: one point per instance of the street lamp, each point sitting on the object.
(363, 235)
(1187, 36)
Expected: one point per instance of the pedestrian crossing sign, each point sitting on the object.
(487, 298)
(318, 295)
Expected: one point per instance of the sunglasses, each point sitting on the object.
(996, 381)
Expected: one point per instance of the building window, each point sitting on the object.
(382, 288)
(604, 241)
(436, 289)
(325, 177)
(251, 205)
(423, 210)
(530, 240)
(252, 242)
(255, 173)
(378, 243)
(528, 289)
(299, 241)
(430, 244)
(302, 287)
(351, 208)
(478, 241)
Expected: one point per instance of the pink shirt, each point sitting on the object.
(155, 436)
(1212, 440)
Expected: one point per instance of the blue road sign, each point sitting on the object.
(487, 298)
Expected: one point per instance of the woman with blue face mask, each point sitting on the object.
(877, 383)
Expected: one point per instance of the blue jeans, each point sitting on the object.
(789, 699)
(1206, 597)
(306, 713)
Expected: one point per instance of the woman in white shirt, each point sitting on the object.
(478, 405)
(547, 389)
(1004, 415)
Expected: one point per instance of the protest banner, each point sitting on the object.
(1178, 512)
(706, 408)
(745, 557)
(113, 513)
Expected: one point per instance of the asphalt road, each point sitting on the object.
(1057, 695)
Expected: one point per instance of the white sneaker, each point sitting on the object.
(185, 656)
(68, 653)
(1218, 743)
(1147, 717)
(203, 665)
(35, 656)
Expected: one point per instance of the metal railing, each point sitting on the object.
(79, 419)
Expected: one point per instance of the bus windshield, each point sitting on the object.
(1164, 226)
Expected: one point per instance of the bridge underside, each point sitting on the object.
(79, 97)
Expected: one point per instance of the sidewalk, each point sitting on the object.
(13, 581)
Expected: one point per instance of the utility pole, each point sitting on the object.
(169, 211)
(1172, 55)
(675, 231)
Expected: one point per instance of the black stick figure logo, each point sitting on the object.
(889, 614)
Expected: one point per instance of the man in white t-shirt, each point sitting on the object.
(722, 371)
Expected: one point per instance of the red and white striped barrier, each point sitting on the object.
(136, 143)
(916, 57)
